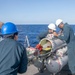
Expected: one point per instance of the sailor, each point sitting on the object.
(49, 33)
(68, 36)
(1, 37)
(13, 57)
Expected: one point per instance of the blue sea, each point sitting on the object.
(32, 31)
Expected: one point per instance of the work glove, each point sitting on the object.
(39, 47)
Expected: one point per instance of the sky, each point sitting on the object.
(37, 11)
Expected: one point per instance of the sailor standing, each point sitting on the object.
(13, 57)
(68, 36)
(49, 33)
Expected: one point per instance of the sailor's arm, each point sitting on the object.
(65, 35)
(42, 35)
(23, 64)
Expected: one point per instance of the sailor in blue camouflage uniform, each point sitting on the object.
(13, 57)
(51, 29)
(68, 36)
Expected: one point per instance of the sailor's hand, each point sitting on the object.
(55, 34)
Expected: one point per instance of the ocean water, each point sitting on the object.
(32, 31)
